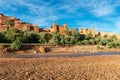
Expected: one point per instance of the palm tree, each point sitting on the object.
(67, 32)
(9, 24)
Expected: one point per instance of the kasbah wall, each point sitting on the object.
(85, 31)
(16, 24)
(61, 29)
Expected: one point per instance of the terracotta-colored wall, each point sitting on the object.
(56, 28)
(36, 29)
(2, 20)
(61, 30)
(17, 24)
(3, 28)
(85, 31)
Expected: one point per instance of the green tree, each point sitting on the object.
(113, 37)
(85, 42)
(79, 43)
(56, 39)
(76, 31)
(103, 42)
(3, 39)
(113, 44)
(62, 40)
(12, 34)
(45, 37)
(67, 32)
(97, 39)
(69, 39)
(16, 45)
(30, 37)
(89, 36)
(92, 41)
(77, 36)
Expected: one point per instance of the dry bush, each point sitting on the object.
(2, 46)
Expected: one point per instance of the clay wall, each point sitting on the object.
(85, 31)
(56, 28)
(17, 23)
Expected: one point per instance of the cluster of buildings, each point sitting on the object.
(23, 26)
(16, 23)
(87, 31)
(61, 29)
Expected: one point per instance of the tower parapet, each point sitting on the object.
(57, 28)
(85, 31)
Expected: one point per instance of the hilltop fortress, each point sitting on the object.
(7, 22)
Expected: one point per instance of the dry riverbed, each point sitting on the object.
(84, 68)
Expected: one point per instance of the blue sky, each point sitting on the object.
(104, 15)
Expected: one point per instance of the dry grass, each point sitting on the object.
(86, 68)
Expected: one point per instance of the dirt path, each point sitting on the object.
(59, 55)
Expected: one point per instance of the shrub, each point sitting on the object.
(44, 37)
(113, 38)
(103, 42)
(11, 34)
(16, 45)
(110, 45)
(30, 37)
(69, 39)
(113, 44)
(3, 39)
(85, 42)
(92, 41)
(79, 43)
(97, 39)
(99, 47)
(87, 37)
(62, 40)
(56, 39)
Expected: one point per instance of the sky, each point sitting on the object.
(103, 15)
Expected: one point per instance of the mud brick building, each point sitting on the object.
(86, 31)
(61, 29)
(17, 23)
(24, 26)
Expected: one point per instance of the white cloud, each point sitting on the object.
(118, 24)
(102, 11)
(96, 7)
(43, 11)
(47, 12)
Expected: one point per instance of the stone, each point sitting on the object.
(42, 49)
(2, 46)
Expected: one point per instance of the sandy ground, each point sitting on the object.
(72, 49)
(85, 68)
